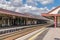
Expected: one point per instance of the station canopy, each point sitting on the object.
(54, 12)
(26, 15)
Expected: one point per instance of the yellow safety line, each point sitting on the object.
(34, 36)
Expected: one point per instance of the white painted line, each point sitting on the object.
(34, 36)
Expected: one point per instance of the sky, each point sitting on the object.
(34, 7)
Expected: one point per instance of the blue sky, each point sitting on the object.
(55, 3)
(35, 7)
(49, 6)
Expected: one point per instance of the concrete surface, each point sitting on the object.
(53, 34)
(42, 35)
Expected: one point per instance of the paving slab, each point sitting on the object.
(53, 34)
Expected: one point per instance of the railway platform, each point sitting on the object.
(49, 34)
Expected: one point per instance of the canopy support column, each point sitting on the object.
(55, 21)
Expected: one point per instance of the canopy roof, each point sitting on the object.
(7, 12)
(54, 12)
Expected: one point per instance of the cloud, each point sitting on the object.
(22, 8)
(43, 2)
(32, 10)
(16, 3)
(53, 8)
(31, 3)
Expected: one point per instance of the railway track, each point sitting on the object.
(19, 33)
(13, 29)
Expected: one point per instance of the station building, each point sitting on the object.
(54, 15)
(11, 18)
